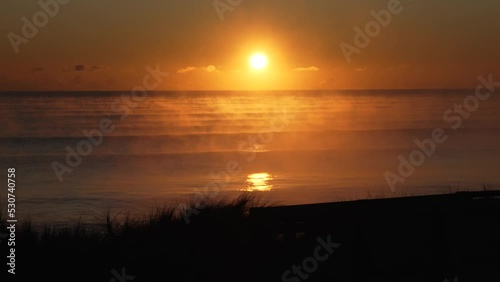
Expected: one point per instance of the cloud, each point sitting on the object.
(362, 69)
(81, 67)
(96, 68)
(187, 69)
(210, 68)
(306, 69)
(37, 69)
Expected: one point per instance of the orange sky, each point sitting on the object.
(106, 45)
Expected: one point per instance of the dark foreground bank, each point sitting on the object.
(427, 238)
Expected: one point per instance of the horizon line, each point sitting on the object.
(249, 90)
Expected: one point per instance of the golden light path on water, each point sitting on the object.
(259, 182)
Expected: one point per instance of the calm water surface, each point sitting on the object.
(290, 146)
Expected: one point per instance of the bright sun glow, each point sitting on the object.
(259, 182)
(258, 61)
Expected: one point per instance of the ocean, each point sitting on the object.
(78, 153)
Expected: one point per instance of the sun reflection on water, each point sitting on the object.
(259, 182)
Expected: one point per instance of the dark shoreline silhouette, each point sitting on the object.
(422, 238)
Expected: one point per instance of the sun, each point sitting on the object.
(258, 61)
